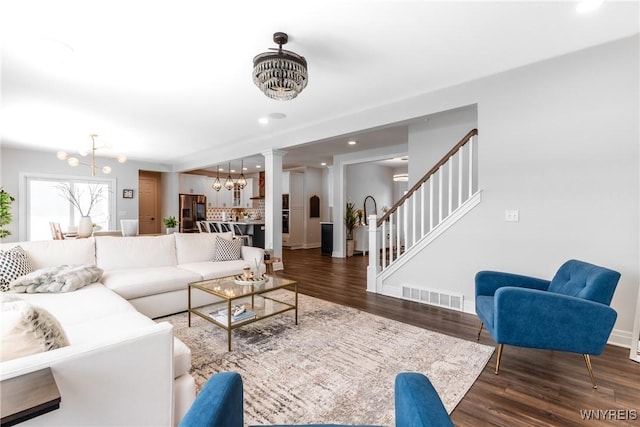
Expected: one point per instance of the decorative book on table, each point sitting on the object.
(222, 317)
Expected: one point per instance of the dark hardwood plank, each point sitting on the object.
(534, 388)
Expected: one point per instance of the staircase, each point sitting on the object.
(437, 201)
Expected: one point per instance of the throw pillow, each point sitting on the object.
(14, 263)
(61, 278)
(28, 329)
(227, 250)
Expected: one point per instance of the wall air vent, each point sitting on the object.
(452, 300)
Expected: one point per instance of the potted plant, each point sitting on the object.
(170, 223)
(5, 212)
(350, 222)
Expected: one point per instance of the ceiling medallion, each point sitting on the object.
(280, 75)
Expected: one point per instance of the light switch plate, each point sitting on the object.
(512, 215)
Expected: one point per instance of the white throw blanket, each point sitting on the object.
(61, 278)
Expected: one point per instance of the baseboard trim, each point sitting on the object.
(620, 338)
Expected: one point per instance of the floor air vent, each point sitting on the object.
(452, 300)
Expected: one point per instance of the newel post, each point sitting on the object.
(374, 255)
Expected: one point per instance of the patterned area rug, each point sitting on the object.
(337, 365)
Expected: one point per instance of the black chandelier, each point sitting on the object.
(228, 183)
(217, 185)
(242, 181)
(280, 75)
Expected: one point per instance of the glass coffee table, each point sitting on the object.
(256, 299)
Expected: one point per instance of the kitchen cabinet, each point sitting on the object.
(247, 193)
(220, 199)
(199, 184)
(258, 236)
(190, 184)
(327, 238)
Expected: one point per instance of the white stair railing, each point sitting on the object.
(442, 190)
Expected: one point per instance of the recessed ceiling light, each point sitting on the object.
(587, 6)
(258, 166)
(323, 164)
(352, 142)
(263, 120)
(244, 169)
(277, 116)
(233, 170)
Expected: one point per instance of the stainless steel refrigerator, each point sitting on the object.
(193, 207)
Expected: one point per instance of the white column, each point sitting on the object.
(273, 200)
(374, 255)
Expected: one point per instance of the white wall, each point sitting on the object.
(366, 179)
(431, 139)
(559, 141)
(15, 161)
(312, 186)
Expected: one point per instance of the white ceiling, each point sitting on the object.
(164, 81)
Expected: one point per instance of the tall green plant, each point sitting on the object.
(350, 219)
(5, 212)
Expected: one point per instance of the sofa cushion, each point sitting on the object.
(14, 263)
(212, 270)
(116, 253)
(92, 314)
(28, 329)
(48, 253)
(80, 306)
(227, 250)
(139, 282)
(197, 247)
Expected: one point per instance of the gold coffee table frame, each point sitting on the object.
(229, 293)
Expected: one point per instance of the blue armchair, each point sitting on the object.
(219, 403)
(569, 313)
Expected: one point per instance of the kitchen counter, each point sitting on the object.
(254, 228)
(253, 222)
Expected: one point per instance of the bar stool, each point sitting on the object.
(222, 227)
(238, 233)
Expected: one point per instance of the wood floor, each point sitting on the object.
(534, 388)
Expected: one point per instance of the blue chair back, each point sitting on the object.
(583, 280)
(219, 403)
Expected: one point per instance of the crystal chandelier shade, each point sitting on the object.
(280, 75)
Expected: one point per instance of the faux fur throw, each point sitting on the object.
(62, 278)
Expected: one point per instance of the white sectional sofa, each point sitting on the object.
(121, 367)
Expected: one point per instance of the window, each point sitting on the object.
(45, 204)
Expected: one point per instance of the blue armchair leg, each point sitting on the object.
(500, 346)
(480, 331)
(587, 360)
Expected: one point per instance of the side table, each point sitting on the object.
(269, 264)
(28, 396)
